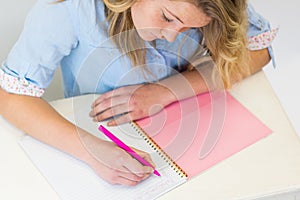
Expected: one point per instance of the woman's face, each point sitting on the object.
(158, 19)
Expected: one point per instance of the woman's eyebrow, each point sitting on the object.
(174, 15)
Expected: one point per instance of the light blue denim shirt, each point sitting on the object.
(73, 35)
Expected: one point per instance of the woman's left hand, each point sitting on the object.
(129, 103)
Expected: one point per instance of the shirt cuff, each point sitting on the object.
(263, 40)
(16, 85)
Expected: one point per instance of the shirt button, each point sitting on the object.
(157, 57)
(111, 52)
(261, 24)
(161, 70)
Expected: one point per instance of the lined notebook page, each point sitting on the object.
(74, 180)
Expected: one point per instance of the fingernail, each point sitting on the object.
(149, 170)
(109, 123)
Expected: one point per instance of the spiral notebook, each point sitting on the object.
(184, 139)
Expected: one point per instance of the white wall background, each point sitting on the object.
(12, 16)
(285, 78)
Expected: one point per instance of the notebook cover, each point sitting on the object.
(201, 131)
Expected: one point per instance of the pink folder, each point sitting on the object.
(201, 131)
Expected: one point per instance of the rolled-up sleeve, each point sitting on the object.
(260, 34)
(47, 37)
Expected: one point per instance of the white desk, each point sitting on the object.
(270, 166)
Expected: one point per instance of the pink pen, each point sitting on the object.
(122, 145)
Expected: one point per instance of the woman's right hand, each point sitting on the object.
(108, 161)
(115, 165)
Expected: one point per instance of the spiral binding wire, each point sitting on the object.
(159, 150)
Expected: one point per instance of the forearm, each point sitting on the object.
(138, 101)
(258, 59)
(38, 119)
(185, 84)
(199, 80)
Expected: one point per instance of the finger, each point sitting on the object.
(104, 105)
(133, 179)
(145, 156)
(113, 93)
(125, 173)
(108, 103)
(122, 176)
(102, 97)
(136, 167)
(124, 181)
(120, 119)
(131, 115)
(114, 112)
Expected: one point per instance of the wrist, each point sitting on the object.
(88, 141)
(177, 88)
(167, 95)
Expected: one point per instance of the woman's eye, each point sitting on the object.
(166, 18)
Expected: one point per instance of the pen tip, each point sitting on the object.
(156, 173)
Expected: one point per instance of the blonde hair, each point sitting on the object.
(225, 36)
(123, 32)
